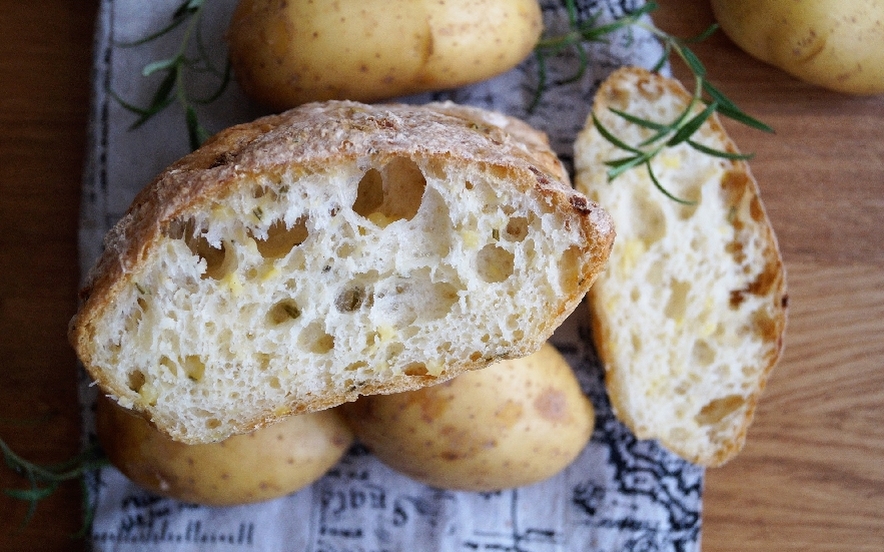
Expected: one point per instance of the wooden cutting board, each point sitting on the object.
(811, 477)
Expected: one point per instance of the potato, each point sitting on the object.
(267, 463)
(514, 423)
(837, 44)
(287, 53)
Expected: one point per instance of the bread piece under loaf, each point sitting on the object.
(335, 250)
(689, 314)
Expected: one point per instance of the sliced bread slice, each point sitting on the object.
(690, 311)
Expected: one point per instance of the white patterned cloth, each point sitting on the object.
(621, 494)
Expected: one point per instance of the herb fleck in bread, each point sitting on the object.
(335, 250)
(690, 312)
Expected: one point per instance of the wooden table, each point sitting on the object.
(811, 477)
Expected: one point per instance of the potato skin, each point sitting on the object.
(267, 463)
(836, 44)
(514, 423)
(288, 53)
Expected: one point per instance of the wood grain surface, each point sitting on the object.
(811, 476)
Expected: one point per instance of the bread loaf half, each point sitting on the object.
(690, 311)
(335, 250)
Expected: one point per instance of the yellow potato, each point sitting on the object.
(288, 53)
(267, 463)
(837, 44)
(514, 423)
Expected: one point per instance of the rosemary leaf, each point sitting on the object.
(639, 120)
(187, 7)
(689, 128)
(164, 91)
(646, 9)
(160, 65)
(571, 8)
(31, 495)
(665, 192)
(620, 166)
(542, 78)
(729, 109)
(709, 31)
(682, 128)
(126, 105)
(222, 86)
(718, 153)
(148, 114)
(195, 132)
(607, 135)
(43, 480)
(746, 120)
(718, 96)
(176, 21)
(177, 67)
(667, 52)
(693, 62)
(88, 511)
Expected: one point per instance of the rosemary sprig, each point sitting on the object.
(682, 128)
(176, 69)
(43, 480)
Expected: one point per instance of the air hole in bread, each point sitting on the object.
(494, 264)
(650, 222)
(170, 365)
(135, 315)
(764, 325)
(416, 369)
(213, 423)
(315, 339)
(345, 250)
(281, 240)
(691, 195)
(194, 367)
(392, 193)
(263, 361)
(219, 261)
(569, 273)
(369, 193)
(267, 192)
(274, 383)
(703, 353)
(283, 311)
(735, 250)
(516, 229)
(351, 299)
(356, 366)
(636, 340)
(678, 300)
(136, 380)
(718, 409)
